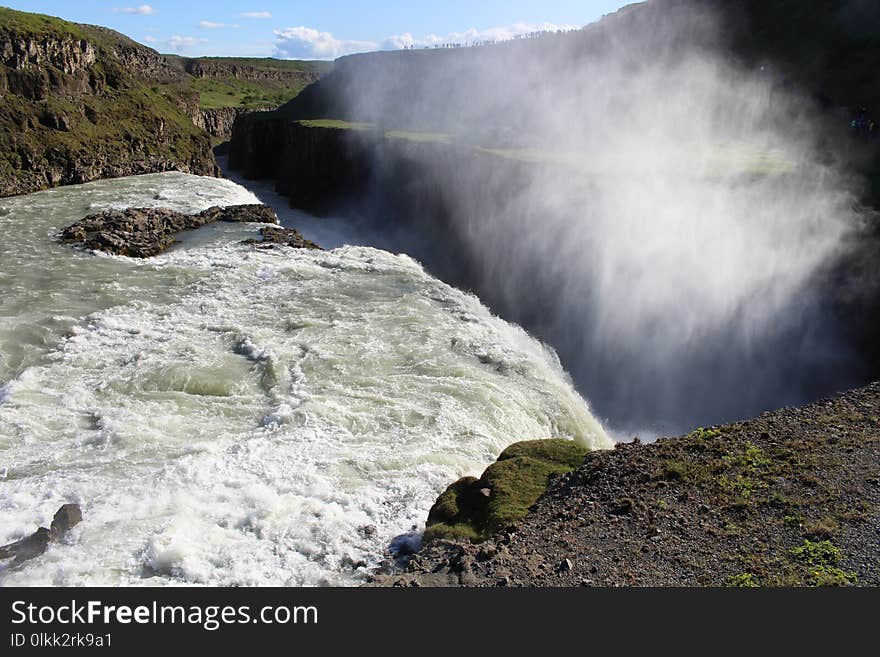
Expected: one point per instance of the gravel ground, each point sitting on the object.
(790, 498)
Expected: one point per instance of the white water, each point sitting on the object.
(233, 416)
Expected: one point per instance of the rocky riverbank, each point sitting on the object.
(790, 498)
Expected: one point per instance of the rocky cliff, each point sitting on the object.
(218, 121)
(253, 69)
(318, 168)
(79, 103)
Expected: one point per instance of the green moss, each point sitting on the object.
(820, 559)
(473, 508)
(455, 532)
(458, 503)
(750, 457)
(517, 483)
(563, 452)
(742, 580)
(739, 485)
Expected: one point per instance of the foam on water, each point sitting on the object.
(234, 416)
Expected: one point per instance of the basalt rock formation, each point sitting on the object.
(218, 121)
(145, 232)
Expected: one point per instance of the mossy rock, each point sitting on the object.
(458, 502)
(556, 450)
(473, 509)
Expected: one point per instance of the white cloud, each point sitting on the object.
(308, 43)
(256, 14)
(149, 39)
(471, 36)
(180, 43)
(211, 25)
(142, 10)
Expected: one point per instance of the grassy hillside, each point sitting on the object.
(247, 94)
(81, 102)
(247, 82)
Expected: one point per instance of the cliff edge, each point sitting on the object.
(790, 498)
(80, 103)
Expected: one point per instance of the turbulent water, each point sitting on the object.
(233, 416)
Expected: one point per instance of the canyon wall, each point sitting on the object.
(79, 103)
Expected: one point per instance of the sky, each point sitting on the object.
(323, 29)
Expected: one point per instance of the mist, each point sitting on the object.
(666, 219)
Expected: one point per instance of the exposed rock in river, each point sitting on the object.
(145, 232)
(37, 543)
(272, 235)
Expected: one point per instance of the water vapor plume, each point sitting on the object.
(664, 217)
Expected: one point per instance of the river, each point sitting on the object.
(227, 415)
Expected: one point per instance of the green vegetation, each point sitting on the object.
(247, 82)
(675, 470)
(340, 124)
(739, 485)
(432, 137)
(335, 124)
(742, 580)
(709, 160)
(59, 128)
(722, 158)
(750, 458)
(792, 521)
(473, 509)
(258, 63)
(247, 94)
(37, 24)
(704, 434)
(820, 558)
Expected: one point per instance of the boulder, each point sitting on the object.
(37, 543)
(271, 235)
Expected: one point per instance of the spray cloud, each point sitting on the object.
(661, 216)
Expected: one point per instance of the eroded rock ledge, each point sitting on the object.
(145, 232)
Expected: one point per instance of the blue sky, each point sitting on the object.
(318, 29)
